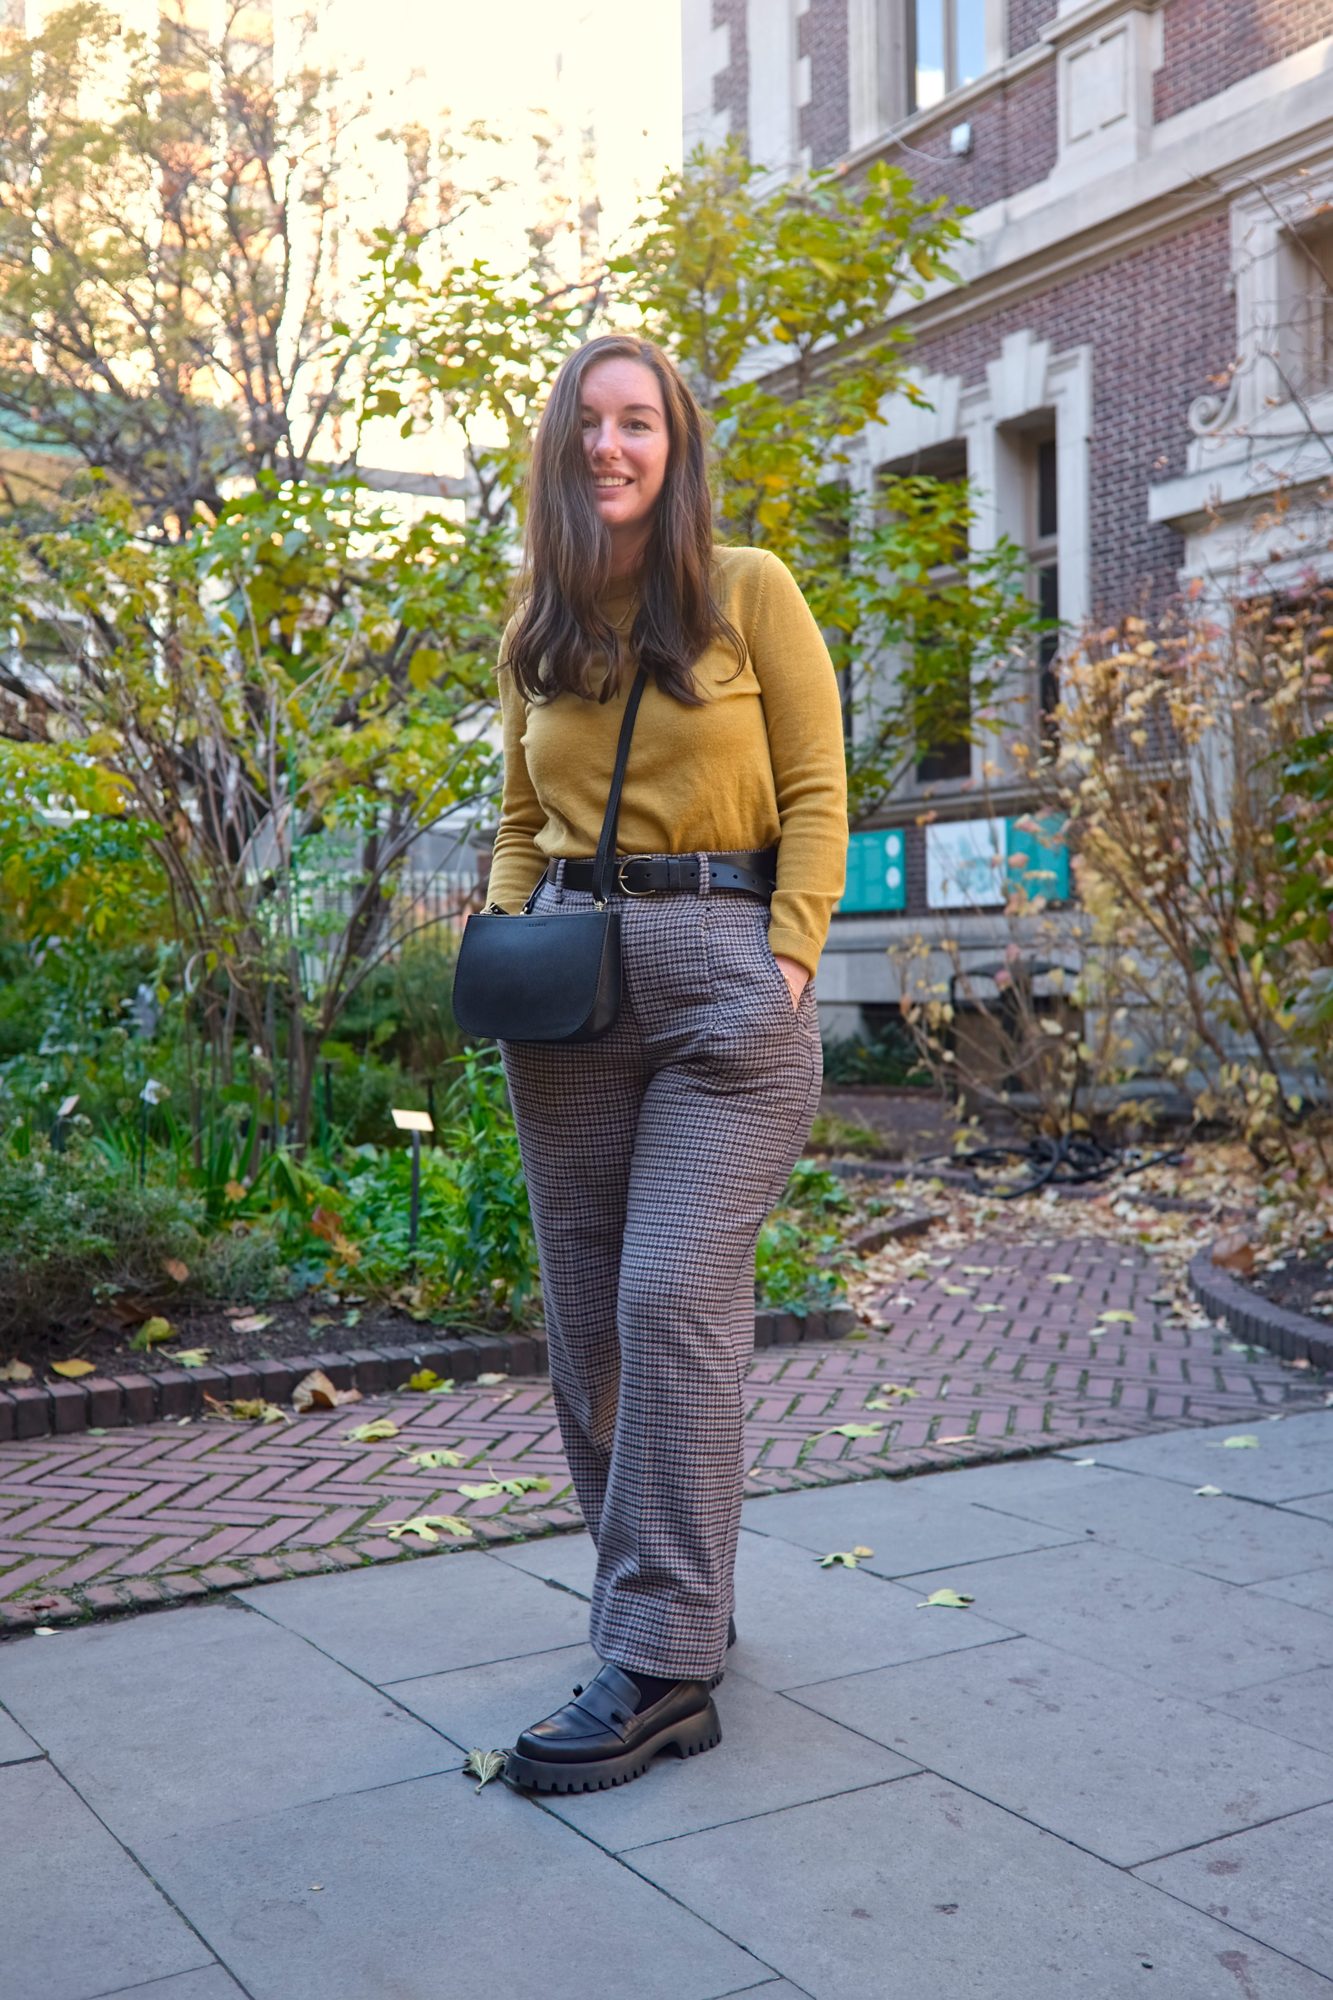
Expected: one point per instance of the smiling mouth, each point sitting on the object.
(611, 485)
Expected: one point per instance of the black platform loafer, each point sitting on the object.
(598, 1740)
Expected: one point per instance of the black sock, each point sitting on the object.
(651, 1686)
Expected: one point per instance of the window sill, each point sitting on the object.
(1035, 57)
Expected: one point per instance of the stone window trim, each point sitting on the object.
(1026, 381)
(877, 72)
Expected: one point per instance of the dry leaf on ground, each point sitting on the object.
(72, 1369)
(425, 1526)
(316, 1392)
(484, 1764)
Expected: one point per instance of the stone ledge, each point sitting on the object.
(164, 1395)
(1293, 1336)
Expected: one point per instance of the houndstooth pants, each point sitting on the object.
(652, 1157)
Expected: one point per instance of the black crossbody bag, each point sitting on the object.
(549, 977)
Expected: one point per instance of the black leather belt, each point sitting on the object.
(637, 875)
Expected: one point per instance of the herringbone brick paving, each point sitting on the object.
(1003, 1343)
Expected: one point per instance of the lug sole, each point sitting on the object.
(688, 1738)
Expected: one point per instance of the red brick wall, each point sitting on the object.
(1160, 323)
(822, 35)
(731, 86)
(1014, 142)
(1027, 18)
(1209, 44)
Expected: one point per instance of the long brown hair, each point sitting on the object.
(561, 635)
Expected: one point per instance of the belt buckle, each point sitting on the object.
(621, 884)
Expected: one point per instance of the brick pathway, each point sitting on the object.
(1003, 1342)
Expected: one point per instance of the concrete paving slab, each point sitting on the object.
(1241, 1541)
(1298, 1706)
(911, 1524)
(424, 1617)
(1293, 1458)
(188, 1718)
(1181, 1633)
(212, 1983)
(772, 1754)
(15, 1743)
(1077, 1749)
(1313, 1588)
(80, 1919)
(569, 1560)
(1318, 1505)
(430, 1890)
(958, 1897)
(772, 1989)
(1270, 1883)
(798, 1622)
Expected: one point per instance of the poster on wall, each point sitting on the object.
(966, 864)
(876, 872)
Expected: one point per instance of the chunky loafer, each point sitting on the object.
(597, 1740)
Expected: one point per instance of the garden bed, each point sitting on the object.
(1256, 1308)
(162, 1391)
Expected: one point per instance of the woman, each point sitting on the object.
(653, 1155)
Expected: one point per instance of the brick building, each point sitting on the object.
(1141, 351)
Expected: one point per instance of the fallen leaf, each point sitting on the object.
(1118, 1313)
(846, 1557)
(853, 1431)
(489, 1381)
(175, 1269)
(152, 1331)
(897, 1389)
(1207, 1492)
(253, 1322)
(484, 1764)
(1233, 1251)
(862, 1552)
(235, 1190)
(316, 1392)
(15, 1371)
(951, 1600)
(72, 1369)
(425, 1525)
(323, 1222)
(988, 1306)
(957, 1291)
(1245, 1443)
(378, 1427)
(425, 1378)
(247, 1409)
(189, 1357)
(445, 1388)
(953, 1440)
(430, 1461)
(488, 1488)
(1058, 1278)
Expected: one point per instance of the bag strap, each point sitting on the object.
(606, 845)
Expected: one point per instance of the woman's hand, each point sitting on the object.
(795, 975)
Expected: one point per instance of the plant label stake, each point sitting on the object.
(415, 1122)
(58, 1129)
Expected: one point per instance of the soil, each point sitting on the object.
(1299, 1284)
(295, 1327)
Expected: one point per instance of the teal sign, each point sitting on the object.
(876, 872)
(1039, 855)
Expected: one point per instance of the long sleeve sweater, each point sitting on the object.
(761, 764)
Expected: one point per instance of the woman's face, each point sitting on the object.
(626, 444)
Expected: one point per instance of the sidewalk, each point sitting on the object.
(1111, 1775)
(1007, 1347)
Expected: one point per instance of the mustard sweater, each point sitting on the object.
(760, 765)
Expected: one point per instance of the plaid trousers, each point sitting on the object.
(652, 1157)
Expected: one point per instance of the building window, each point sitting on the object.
(1043, 552)
(943, 709)
(1309, 359)
(946, 47)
